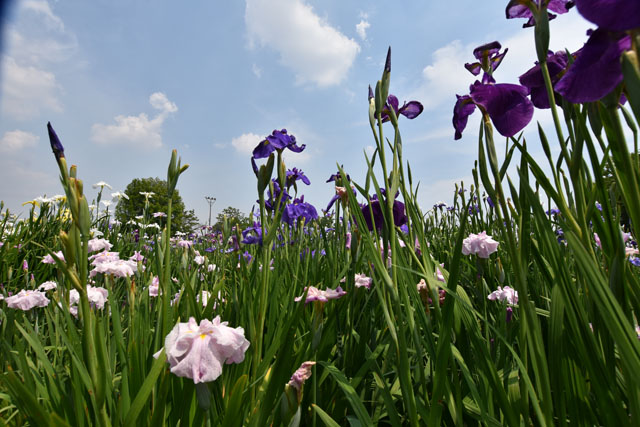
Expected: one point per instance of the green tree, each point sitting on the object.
(233, 216)
(183, 220)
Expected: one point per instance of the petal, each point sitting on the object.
(392, 100)
(507, 105)
(263, 150)
(474, 68)
(596, 70)
(411, 109)
(461, 112)
(488, 49)
(615, 15)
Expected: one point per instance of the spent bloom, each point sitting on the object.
(199, 351)
(507, 294)
(480, 244)
(301, 374)
(27, 299)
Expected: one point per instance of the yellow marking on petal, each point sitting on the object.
(202, 336)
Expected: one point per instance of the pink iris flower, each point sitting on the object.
(26, 299)
(479, 244)
(199, 351)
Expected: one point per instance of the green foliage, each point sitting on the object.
(138, 204)
(232, 216)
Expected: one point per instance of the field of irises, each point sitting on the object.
(493, 310)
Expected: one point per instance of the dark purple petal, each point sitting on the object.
(370, 93)
(519, 9)
(254, 166)
(387, 62)
(507, 105)
(392, 101)
(474, 68)
(615, 15)
(411, 109)
(263, 150)
(489, 49)
(56, 145)
(533, 80)
(461, 112)
(596, 70)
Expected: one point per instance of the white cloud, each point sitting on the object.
(246, 142)
(17, 140)
(307, 44)
(28, 90)
(446, 75)
(138, 130)
(361, 28)
(256, 70)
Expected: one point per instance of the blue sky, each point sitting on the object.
(125, 82)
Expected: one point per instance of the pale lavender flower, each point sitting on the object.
(199, 259)
(47, 286)
(154, 287)
(137, 256)
(25, 265)
(597, 239)
(199, 351)
(211, 267)
(479, 244)
(97, 296)
(48, 259)
(504, 294)
(439, 275)
(95, 245)
(316, 294)
(363, 281)
(159, 214)
(26, 299)
(184, 243)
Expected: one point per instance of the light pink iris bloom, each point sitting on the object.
(26, 299)
(199, 351)
(302, 374)
(98, 245)
(316, 294)
(479, 244)
(48, 286)
(362, 280)
(507, 294)
(48, 259)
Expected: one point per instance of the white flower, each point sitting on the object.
(26, 299)
(106, 203)
(504, 294)
(118, 195)
(47, 286)
(102, 184)
(48, 259)
(363, 280)
(98, 244)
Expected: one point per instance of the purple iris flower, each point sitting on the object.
(597, 69)
(299, 209)
(520, 9)
(399, 216)
(294, 175)
(337, 176)
(532, 79)
(635, 261)
(410, 110)
(507, 105)
(613, 15)
(272, 198)
(278, 140)
(56, 145)
(490, 202)
(252, 235)
(488, 56)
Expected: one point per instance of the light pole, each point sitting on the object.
(211, 201)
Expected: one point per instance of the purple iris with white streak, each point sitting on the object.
(299, 209)
(597, 69)
(278, 140)
(520, 9)
(507, 104)
(252, 235)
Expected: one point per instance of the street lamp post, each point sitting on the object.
(211, 201)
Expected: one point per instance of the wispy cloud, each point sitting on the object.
(17, 140)
(257, 71)
(361, 28)
(138, 130)
(310, 46)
